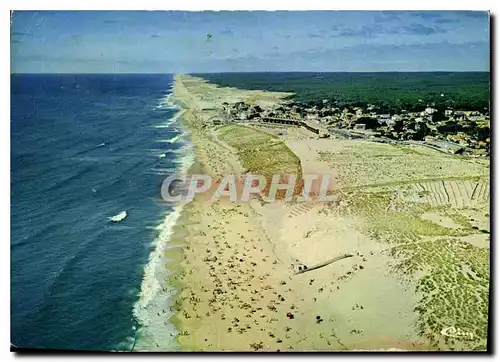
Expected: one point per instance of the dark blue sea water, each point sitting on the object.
(84, 148)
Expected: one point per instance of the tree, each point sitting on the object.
(399, 125)
(483, 133)
(370, 122)
(422, 130)
(438, 116)
(450, 127)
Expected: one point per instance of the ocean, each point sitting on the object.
(85, 148)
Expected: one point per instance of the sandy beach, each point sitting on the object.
(235, 265)
(212, 180)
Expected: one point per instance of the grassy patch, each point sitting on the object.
(454, 290)
(400, 224)
(453, 274)
(262, 153)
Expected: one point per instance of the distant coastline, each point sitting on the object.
(232, 265)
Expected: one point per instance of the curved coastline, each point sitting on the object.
(195, 313)
(231, 265)
(153, 310)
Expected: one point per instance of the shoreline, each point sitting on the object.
(156, 309)
(153, 309)
(235, 283)
(233, 265)
(209, 311)
(181, 320)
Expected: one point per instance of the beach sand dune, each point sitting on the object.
(238, 280)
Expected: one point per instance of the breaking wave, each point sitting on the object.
(152, 310)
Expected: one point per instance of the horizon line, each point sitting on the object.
(250, 72)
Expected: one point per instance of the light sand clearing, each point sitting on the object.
(392, 198)
(238, 274)
(355, 293)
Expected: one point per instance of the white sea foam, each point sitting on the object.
(170, 122)
(165, 154)
(162, 171)
(153, 307)
(150, 284)
(152, 310)
(160, 151)
(165, 125)
(118, 217)
(172, 140)
(167, 103)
